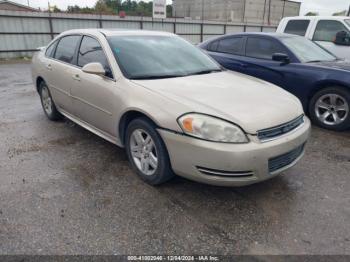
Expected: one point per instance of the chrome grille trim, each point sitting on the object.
(278, 131)
(221, 173)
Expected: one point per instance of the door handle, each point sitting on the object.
(76, 77)
(243, 65)
(49, 67)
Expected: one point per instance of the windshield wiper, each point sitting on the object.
(204, 72)
(149, 77)
(314, 61)
(318, 61)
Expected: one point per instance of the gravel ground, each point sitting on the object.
(64, 190)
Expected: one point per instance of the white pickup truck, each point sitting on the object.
(323, 30)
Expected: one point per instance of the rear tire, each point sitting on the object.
(147, 152)
(47, 103)
(330, 108)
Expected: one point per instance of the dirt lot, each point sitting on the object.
(64, 190)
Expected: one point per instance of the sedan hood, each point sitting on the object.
(251, 103)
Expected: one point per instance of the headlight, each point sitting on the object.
(211, 128)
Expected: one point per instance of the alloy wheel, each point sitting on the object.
(46, 100)
(143, 152)
(331, 109)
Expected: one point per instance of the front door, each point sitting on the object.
(325, 34)
(258, 60)
(94, 95)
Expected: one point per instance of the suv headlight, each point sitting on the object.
(211, 128)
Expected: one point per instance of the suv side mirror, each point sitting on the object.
(94, 68)
(342, 38)
(279, 57)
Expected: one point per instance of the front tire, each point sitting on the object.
(147, 152)
(47, 103)
(330, 108)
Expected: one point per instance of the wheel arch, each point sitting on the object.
(39, 80)
(325, 84)
(127, 117)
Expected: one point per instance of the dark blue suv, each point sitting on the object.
(319, 79)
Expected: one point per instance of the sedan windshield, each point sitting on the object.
(152, 57)
(307, 51)
(347, 21)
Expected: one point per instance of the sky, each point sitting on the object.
(323, 7)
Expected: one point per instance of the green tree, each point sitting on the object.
(55, 9)
(143, 9)
(131, 7)
(102, 7)
(169, 11)
(114, 5)
(78, 9)
(73, 9)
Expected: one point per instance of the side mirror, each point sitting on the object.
(342, 38)
(279, 57)
(94, 68)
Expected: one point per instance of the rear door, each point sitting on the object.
(62, 71)
(229, 52)
(299, 27)
(48, 59)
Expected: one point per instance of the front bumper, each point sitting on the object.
(225, 164)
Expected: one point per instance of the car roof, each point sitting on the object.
(269, 35)
(117, 32)
(317, 17)
(273, 35)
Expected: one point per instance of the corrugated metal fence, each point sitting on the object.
(22, 32)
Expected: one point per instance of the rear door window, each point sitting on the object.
(231, 45)
(213, 46)
(50, 51)
(66, 48)
(263, 48)
(326, 30)
(297, 27)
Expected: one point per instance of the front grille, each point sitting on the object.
(271, 133)
(282, 161)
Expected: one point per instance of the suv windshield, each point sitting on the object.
(152, 57)
(347, 21)
(306, 50)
